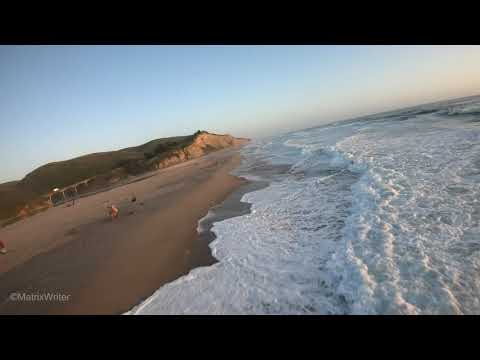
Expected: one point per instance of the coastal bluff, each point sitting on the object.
(96, 172)
(203, 144)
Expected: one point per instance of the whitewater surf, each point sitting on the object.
(375, 215)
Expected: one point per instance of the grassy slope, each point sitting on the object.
(13, 197)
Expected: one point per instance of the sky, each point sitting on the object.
(60, 102)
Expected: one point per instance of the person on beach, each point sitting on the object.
(3, 248)
(113, 211)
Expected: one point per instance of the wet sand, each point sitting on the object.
(108, 266)
(231, 207)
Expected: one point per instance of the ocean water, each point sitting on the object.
(375, 215)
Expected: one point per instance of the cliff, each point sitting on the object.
(203, 144)
(27, 196)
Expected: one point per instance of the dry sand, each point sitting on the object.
(108, 266)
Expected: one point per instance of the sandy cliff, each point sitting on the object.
(203, 144)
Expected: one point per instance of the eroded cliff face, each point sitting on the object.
(202, 145)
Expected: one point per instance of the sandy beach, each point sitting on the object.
(108, 266)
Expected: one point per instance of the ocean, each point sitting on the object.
(374, 215)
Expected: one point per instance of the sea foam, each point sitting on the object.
(378, 215)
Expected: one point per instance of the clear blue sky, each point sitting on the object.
(59, 102)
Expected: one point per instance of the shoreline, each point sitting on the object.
(230, 207)
(109, 267)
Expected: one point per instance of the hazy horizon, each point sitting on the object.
(61, 102)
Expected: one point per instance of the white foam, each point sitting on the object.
(375, 216)
(405, 220)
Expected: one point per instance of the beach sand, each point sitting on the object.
(106, 266)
